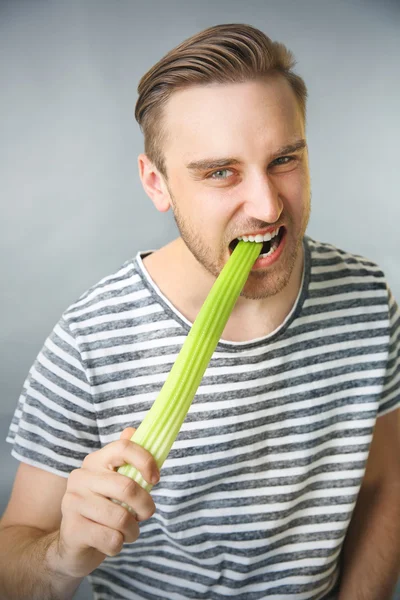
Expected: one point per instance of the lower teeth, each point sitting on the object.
(274, 246)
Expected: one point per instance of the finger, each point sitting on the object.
(127, 433)
(123, 452)
(110, 484)
(111, 515)
(88, 534)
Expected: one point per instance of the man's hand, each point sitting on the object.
(92, 526)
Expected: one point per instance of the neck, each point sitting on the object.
(174, 264)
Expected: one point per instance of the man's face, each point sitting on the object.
(237, 165)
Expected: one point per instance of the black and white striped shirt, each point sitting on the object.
(258, 490)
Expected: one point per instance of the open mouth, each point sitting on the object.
(269, 246)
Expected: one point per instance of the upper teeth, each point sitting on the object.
(260, 238)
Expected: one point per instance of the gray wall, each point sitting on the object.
(72, 205)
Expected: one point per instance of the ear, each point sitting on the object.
(154, 184)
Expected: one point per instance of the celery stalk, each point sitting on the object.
(162, 423)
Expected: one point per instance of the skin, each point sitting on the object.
(56, 530)
(87, 499)
(245, 125)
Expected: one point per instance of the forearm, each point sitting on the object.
(371, 554)
(25, 572)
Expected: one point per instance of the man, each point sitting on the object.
(284, 481)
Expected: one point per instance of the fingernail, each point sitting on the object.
(155, 477)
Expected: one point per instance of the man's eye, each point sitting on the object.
(283, 160)
(221, 174)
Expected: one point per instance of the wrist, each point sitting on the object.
(64, 584)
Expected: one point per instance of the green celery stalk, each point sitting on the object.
(162, 423)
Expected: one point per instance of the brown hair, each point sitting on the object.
(221, 54)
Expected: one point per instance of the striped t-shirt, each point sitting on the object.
(258, 490)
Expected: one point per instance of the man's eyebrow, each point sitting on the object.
(298, 145)
(212, 163)
(208, 164)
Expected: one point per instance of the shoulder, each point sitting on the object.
(331, 266)
(116, 293)
(324, 254)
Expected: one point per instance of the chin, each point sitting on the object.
(260, 290)
(265, 284)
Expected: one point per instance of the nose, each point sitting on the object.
(262, 200)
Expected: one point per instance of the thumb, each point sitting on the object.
(127, 433)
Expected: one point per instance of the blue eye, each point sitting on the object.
(221, 174)
(285, 160)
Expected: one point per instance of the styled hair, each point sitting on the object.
(233, 53)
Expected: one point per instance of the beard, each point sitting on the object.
(261, 283)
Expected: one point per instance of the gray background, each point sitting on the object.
(72, 207)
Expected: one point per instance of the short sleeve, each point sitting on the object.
(390, 399)
(54, 425)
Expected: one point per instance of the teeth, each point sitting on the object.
(259, 238)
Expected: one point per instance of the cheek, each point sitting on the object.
(295, 189)
(213, 217)
(212, 207)
(200, 212)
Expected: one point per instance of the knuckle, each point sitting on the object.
(152, 509)
(133, 534)
(88, 459)
(129, 488)
(150, 467)
(114, 542)
(149, 511)
(74, 476)
(124, 444)
(69, 501)
(123, 518)
(149, 462)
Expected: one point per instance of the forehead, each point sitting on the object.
(227, 119)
